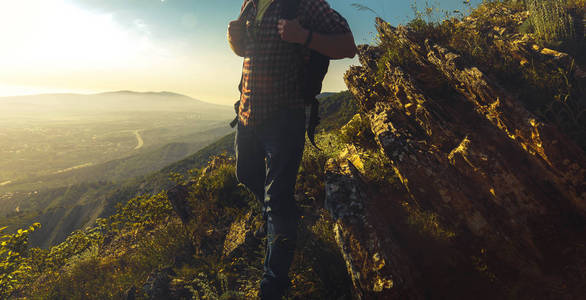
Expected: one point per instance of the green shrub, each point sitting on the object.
(310, 180)
(358, 132)
(89, 277)
(163, 246)
(221, 186)
(141, 212)
(378, 168)
(15, 260)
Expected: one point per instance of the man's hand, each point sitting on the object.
(236, 34)
(334, 46)
(291, 31)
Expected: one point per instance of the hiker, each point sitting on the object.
(275, 38)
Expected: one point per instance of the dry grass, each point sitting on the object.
(550, 20)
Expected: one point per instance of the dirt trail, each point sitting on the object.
(74, 168)
(139, 140)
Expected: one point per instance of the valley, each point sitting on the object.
(65, 159)
(49, 135)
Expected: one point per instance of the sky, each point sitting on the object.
(92, 46)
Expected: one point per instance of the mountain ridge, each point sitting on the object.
(112, 93)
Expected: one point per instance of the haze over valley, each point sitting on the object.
(63, 157)
(59, 133)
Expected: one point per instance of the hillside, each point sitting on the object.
(108, 202)
(71, 207)
(81, 196)
(462, 176)
(15, 107)
(91, 192)
(64, 157)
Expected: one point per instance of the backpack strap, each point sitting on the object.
(236, 108)
(289, 11)
(313, 122)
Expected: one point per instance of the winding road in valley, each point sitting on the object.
(139, 140)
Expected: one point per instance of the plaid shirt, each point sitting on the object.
(273, 69)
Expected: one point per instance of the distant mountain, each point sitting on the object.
(121, 101)
(127, 92)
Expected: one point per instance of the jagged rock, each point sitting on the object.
(499, 193)
(375, 273)
(239, 235)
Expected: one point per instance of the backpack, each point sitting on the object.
(316, 67)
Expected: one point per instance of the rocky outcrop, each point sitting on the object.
(492, 201)
(239, 237)
(374, 271)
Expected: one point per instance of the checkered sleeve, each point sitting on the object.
(320, 17)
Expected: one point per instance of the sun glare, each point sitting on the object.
(62, 46)
(40, 34)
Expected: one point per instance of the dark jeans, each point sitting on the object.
(267, 162)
